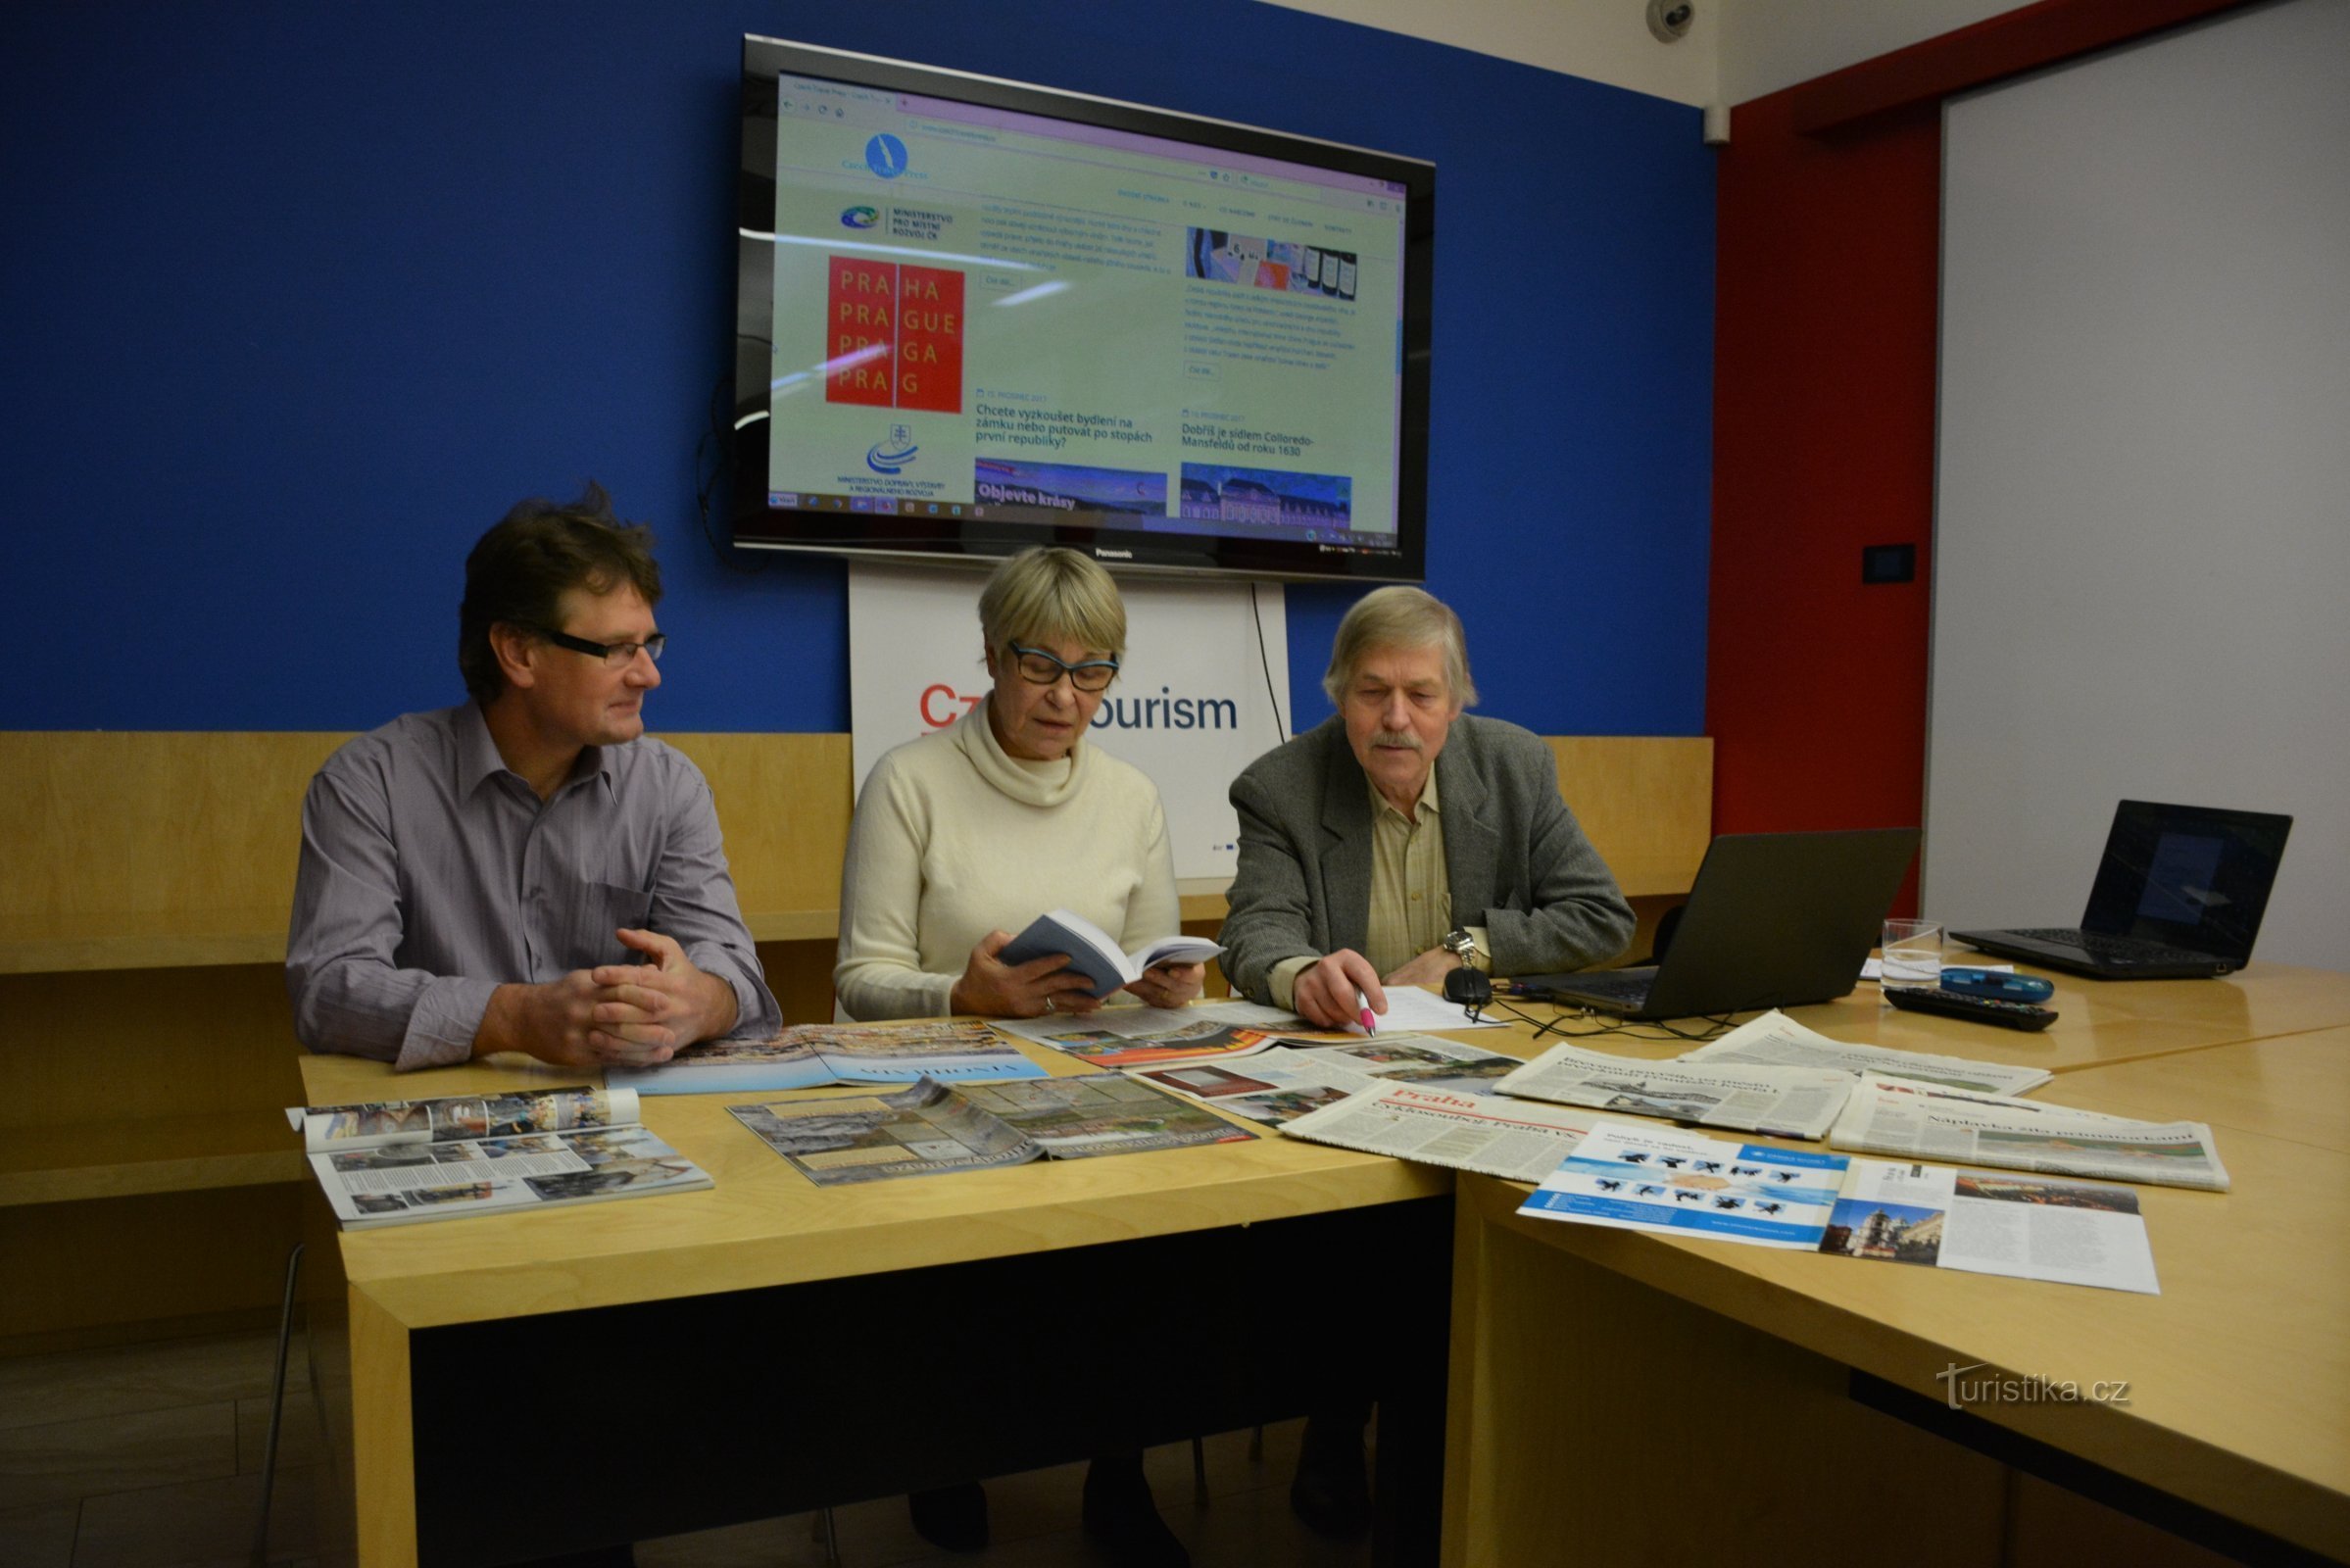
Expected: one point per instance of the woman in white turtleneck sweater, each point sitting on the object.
(965, 836)
(961, 838)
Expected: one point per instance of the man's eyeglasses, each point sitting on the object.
(615, 656)
(1040, 668)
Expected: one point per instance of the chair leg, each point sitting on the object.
(1198, 1473)
(269, 1460)
(828, 1532)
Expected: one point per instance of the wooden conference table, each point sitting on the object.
(543, 1383)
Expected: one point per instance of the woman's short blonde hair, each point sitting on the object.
(1400, 617)
(1049, 594)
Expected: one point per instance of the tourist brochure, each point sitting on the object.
(1994, 1222)
(1280, 1083)
(930, 1129)
(1889, 1116)
(399, 1162)
(1094, 953)
(1792, 1101)
(1981, 1222)
(1518, 1140)
(1649, 1178)
(381, 1123)
(810, 1054)
(1775, 1039)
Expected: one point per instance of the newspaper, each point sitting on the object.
(1647, 1178)
(401, 1183)
(805, 1055)
(1775, 1039)
(1991, 1222)
(1517, 1139)
(1794, 1102)
(1887, 1116)
(1279, 1084)
(930, 1129)
(1137, 1037)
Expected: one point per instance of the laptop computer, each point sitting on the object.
(1773, 920)
(2178, 897)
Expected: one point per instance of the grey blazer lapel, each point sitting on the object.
(1471, 844)
(1345, 852)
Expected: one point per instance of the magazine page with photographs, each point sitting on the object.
(383, 1123)
(1664, 1179)
(1994, 1222)
(932, 1129)
(810, 1055)
(1282, 1083)
(399, 1184)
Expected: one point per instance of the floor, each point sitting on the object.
(150, 1456)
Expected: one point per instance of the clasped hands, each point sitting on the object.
(993, 989)
(615, 1014)
(1334, 990)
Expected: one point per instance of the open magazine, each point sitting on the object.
(1094, 953)
(930, 1129)
(1890, 1116)
(1517, 1139)
(1776, 1040)
(1976, 1221)
(1279, 1083)
(1794, 1102)
(399, 1162)
(810, 1054)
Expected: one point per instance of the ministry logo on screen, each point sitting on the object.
(860, 218)
(894, 455)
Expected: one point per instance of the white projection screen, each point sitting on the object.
(2142, 560)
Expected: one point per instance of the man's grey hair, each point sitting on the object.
(1400, 617)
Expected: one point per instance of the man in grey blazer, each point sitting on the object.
(1401, 839)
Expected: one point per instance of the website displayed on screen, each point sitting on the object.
(989, 314)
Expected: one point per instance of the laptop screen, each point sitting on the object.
(2190, 876)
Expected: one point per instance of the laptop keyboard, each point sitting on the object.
(2125, 950)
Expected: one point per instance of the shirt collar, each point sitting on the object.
(477, 756)
(1426, 803)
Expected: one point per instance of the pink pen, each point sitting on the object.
(1370, 1019)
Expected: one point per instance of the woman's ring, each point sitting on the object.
(1053, 1003)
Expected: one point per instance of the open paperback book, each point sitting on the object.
(930, 1129)
(808, 1055)
(1280, 1083)
(1667, 1178)
(399, 1162)
(1094, 955)
(1890, 1116)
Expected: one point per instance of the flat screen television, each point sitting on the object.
(974, 315)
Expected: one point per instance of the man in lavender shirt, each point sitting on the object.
(527, 872)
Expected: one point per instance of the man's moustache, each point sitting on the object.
(1399, 737)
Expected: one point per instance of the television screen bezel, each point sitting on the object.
(758, 525)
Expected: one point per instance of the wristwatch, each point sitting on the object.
(1463, 947)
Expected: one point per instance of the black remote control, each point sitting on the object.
(1976, 1009)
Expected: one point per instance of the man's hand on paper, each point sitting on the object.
(1169, 985)
(1332, 990)
(993, 989)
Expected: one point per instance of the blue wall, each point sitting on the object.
(301, 297)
